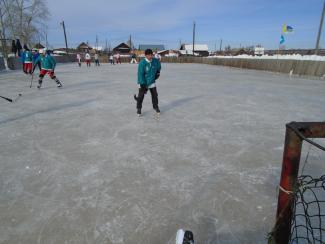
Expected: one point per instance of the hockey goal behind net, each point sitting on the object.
(300, 214)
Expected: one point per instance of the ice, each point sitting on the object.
(99, 174)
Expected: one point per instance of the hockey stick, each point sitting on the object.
(11, 100)
(31, 81)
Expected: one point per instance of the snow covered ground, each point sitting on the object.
(289, 57)
(78, 166)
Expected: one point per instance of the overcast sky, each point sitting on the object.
(237, 22)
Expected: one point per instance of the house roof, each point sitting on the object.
(84, 46)
(197, 47)
(39, 46)
(143, 47)
(122, 46)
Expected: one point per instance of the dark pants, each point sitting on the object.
(154, 96)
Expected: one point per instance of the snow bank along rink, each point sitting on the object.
(287, 57)
(78, 166)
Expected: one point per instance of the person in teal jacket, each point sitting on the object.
(47, 67)
(148, 72)
(27, 60)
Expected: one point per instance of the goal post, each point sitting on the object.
(296, 133)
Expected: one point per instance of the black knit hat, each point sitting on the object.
(26, 48)
(148, 52)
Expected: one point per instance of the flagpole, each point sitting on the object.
(277, 59)
(320, 29)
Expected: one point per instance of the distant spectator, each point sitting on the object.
(111, 59)
(133, 58)
(157, 56)
(19, 47)
(118, 58)
(88, 58)
(79, 59)
(97, 59)
(13, 47)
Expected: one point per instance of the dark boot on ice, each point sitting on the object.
(157, 110)
(139, 112)
(59, 84)
(39, 84)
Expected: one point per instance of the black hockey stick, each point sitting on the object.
(31, 81)
(11, 100)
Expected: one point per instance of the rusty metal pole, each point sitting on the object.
(289, 174)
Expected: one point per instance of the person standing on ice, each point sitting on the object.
(148, 72)
(88, 59)
(157, 56)
(133, 58)
(97, 59)
(118, 58)
(111, 59)
(47, 67)
(27, 60)
(79, 59)
(35, 56)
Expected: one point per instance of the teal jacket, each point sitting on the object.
(47, 62)
(27, 57)
(147, 71)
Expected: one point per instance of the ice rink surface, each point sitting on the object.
(78, 166)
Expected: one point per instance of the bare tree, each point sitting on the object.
(24, 19)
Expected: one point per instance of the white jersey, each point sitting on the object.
(87, 56)
(157, 56)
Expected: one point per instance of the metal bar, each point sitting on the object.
(65, 37)
(193, 48)
(289, 174)
(320, 29)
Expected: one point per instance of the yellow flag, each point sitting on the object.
(284, 28)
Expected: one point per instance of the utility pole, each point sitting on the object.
(130, 42)
(320, 30)
(220, 45)
(106, 47)
(65, 36)
(46, 44)
(96, 43)
(193, 37)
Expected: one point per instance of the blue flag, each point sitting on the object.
(282, 40)
(289, 28)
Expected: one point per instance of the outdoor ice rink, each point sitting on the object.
(78, 166)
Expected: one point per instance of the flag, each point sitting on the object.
(286, 28)
(282, 40)
(289, 28)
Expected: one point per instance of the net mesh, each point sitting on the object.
(308, 223)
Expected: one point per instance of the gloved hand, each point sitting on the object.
(157, 75)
